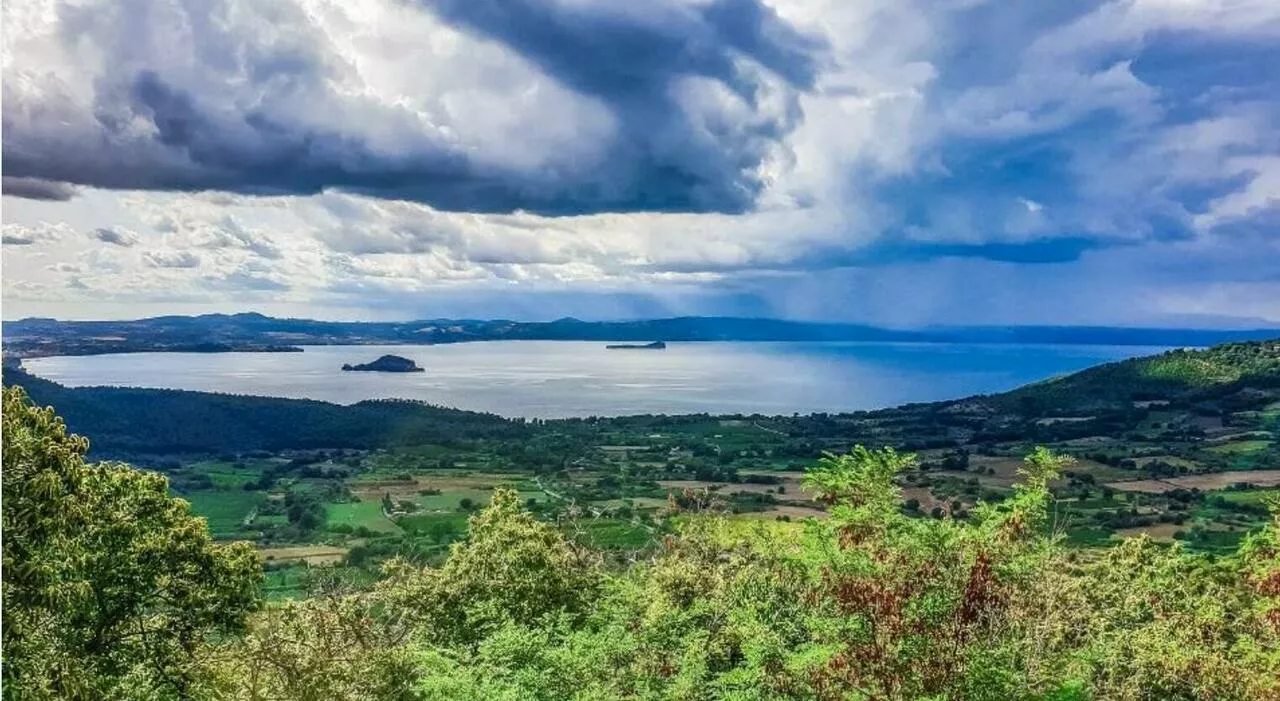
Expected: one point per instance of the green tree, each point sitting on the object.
(925, 608)
(111, 587)
(512, 568)
(304, 510)
(337, 646)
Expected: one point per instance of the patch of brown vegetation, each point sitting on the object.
(310, 554)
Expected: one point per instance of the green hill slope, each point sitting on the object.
(1176, 376)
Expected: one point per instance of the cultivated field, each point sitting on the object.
(1217, 480)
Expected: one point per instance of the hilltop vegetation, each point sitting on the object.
(870, 603)
(1183, 376)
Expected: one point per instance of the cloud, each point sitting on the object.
(171, 259)
(228, 232)
(37, 189)
(42, 232)
(659, 106)
(905, 161)
(242, 281)
(116, 237)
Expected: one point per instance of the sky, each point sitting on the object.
(896, 162)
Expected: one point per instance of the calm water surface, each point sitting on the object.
(551, 379)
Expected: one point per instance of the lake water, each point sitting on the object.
(550, 379)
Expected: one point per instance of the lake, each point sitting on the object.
(552, 379)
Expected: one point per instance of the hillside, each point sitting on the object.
(232, 332)
(1240, 373)
(133, 421)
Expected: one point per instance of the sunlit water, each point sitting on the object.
(563, 378)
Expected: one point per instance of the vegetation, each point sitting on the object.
(1159, 450)
(1136, 556)
(871, 603)
(111, 588)
(129, 421)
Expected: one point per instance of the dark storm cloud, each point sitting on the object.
(630, 57)
(37, 189)
(625, 51)
(115, 237)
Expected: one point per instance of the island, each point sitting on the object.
(656, 345)
(387, 363)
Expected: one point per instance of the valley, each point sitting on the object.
(1180, 446)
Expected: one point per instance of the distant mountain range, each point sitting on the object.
(256, 332)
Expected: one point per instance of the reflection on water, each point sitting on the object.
(550, 379)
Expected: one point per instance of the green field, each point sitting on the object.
(435, 526)
(226, 475)
(1251, 496)
(367, 514)
(450, 500)
(225, 510)
(611, 534)
(1241, 447)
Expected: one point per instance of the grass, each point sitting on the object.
(1270, 414)
(1089, 537)
(1241, 447)
(225, 475)
(449, 500)
(613, 534)
(435, 525)
(1216, 542)
(361, 513)
(224, 510)
(285, 583)
(1250, 496)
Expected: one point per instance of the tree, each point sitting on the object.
(925, 608)
(111, 587)
(336, 646)
(511, 569)
(304, 510)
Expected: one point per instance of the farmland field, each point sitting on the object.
(1207, 482)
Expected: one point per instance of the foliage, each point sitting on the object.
(876, 605)
(111, 587)
(1151, 622)
(873, 602)
(304, 510)
(336, 646)
(511, 569)
(1177, 374)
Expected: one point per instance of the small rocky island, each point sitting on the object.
(656, 345)
(387, 363)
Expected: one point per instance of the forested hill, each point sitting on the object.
(226, 332)
(1234, 373)
(127, 421)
